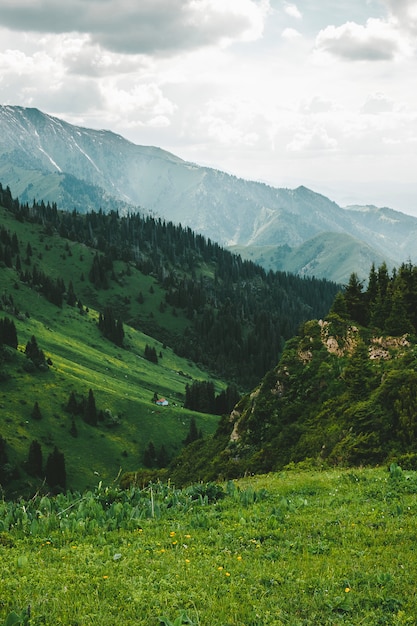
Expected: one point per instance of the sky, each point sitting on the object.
(315, 93)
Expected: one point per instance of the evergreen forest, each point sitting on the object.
(344, 392)
(238, 316)
(101, 315)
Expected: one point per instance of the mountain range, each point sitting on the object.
(295, 230)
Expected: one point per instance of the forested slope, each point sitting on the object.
(343, 393)
(236, 316)
(101, 317)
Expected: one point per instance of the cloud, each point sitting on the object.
(312, 140)
(144, 102)
(377, 41)
(317, 104)
(290, 33)
(377, 103)
(87, 59)
(404, 14)
(146, 27)
(293, 11)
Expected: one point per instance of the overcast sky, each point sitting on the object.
(317, 92)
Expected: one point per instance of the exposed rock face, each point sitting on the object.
(340, 345)
(382, 347)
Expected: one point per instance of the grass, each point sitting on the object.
(295, 548)
(123, 382)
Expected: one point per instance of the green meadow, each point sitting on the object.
(122, 380)
(123, 383)
(333, 547)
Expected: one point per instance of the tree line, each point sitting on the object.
(239, 315)
(389, 302)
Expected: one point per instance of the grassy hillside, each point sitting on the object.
(296, 548)
(122, 380)
(210, 306)
(70, 280)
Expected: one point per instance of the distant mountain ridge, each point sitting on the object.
(44, 157)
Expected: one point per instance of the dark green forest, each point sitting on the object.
(337, 365)
(238, 315)
(344, 392)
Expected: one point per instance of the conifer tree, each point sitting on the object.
(8, 334)
(398, 323)
(162, 459)
(34, 462)
(150, 354)
(73, 429)
(71, 297)
(192, 434)
(90, 411)
(36, 412)
(406, 409)
(355, 300)
(72, 404)
(55, 472)
(149, 455)
(358, 372)
(34, 353)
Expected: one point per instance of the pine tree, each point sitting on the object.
(358, 372)
(355, 300)
(149, 455)
(150, 354)
(36, 412)
(55, 472)
(8, 334)
(73, 430)
(34, 353)
(35, 461)
(406, 409)
(398, 323)
(72, 404)
(163, 457)
(192, 434)
(71, 297)
(339, 306)
(90, 411)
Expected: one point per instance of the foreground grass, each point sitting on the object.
(296, 548)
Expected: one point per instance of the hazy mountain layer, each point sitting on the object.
(45, 157)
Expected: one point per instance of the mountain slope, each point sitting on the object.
(128, 307)
(80, 358)
(42, 156)
(329, 254)
(343, 393)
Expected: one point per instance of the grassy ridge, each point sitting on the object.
(123, 382)
(299, 548)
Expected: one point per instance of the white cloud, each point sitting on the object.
(272, 94)
(404, 14)
(91, 60)
(143, 101)
(377, 41)
(378, 103)
(145, 27)
(290, 34)
(293, 11)
(312, 140)
(317, 104)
